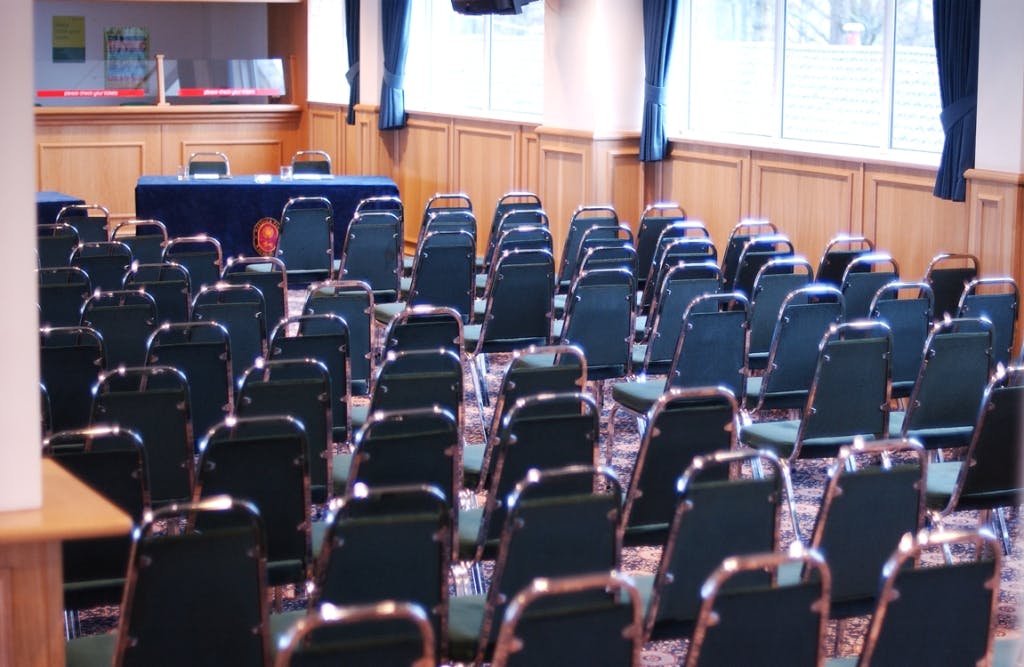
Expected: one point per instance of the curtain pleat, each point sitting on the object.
(659, 28)
(352, 75)
(395, 17)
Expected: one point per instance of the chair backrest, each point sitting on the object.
(711, 349)
(146, 238)
(352, 301)
(200, 254)
(742, 232)
(124, 318)
(449, 202)
(681, 425)
(91, 221)
(104, 261)
(311, 162)
(874, 494)
(202, 352)
(209, 164)
(519, 301)
(777, 278)
(997, 299)
(609, 252)
(262, 460)
(154, 402)
(948, 274)
(327, 342)
(240, 309)
(712, 521)
(169, 285)
(443, 270)
(372, 253)
(560, 522)
(267, 274)
(197, 597)
(940, 613)
(54, 243)
(509, 203)
(837, 255)
(583, 218)
(757, 252)
(306, 243)
(599, 320)
(864, 276)
(653, 220)
(515, 234)
(70, 360)
(423, 328)
(387, 632)
(676, 244)
(62, 292)
(548, 624)
(771, 624)
(907, 308)
(419, 378)
(299, 388)
(399, 539)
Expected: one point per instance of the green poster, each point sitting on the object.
(69, 39)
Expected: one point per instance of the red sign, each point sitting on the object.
(229, 92)
(101, 92)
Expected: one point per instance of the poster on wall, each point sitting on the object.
(126, 56)
(68, 39)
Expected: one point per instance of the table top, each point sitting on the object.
(268, 180)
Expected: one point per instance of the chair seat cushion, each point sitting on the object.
(473, 457)
(465, 616)
(318, 529)
(470, 336)
(385, 312)
(941, 481)
(780, 436)
(934, 437)
(638, 396)
(341, 465)
(91, 651)
(469, 528)
(281, 623)
(359, 414)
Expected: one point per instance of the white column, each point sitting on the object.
(1000, 140)
(20, 473)
(371, 53)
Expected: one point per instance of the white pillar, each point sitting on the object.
(1000, 140)
(20, 472)
(371, 53)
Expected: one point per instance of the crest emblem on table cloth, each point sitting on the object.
(265, 234)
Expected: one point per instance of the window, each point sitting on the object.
(858, 72)
(475, 64)
(328, 52)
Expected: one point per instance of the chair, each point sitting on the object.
(124, 319)
(192, 598)
(510, 202)
(851, 354)
(208, 164)
(154, 402)
(54, 243)
(352, 301)
(653, 220)
(300, 389)
(311, 163)
(512, 234)
(756, 252)
(907, 308)
(398, 538)
(262, 460)
(91, 221)
(112, 461)
(62, 292)
(547, 624)
(372, 251)
(864, 276)
(583, 219)
(681, 425)
(240, 309)
(805, 315)
(718, 513)
(269, 276)
(70, 360)
(943, 405)
(996, 299)
(423, 328)
(543, 431)
(383, 633)
(934, 613)
(168, 284)
(948, 274)
(837, 255)
(449, 210)
(772, 624)
(202, 352)
(105, 262)
(987, 478)
(518, 312)
(560, 522)
(306, 243)
(740, 234)
(145, 238)
(777, 278)
(679, 242)
(200, 254)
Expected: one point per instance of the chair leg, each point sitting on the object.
(480, 368)
(1003, 529)
(480, 388)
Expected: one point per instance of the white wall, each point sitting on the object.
(1000, 142)
(20, 473)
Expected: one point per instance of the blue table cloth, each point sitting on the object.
(229, 208)
(49, 204)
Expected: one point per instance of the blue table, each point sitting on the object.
(229, 208)
(49, 204)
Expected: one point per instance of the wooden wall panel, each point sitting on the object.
(424, 157)
(99, 172)
(566, 184)
(809, 200)
(485, 165)
(325, 134)
(905, 219)
(710, 186)
(620, 182)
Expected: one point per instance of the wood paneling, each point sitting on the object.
(565, 170)
(486, 161)
(710, 185)
(325, 134)
(620, 181)
(423, 153)
(100, 172)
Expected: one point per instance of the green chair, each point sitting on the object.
(584, 218)
(907, 308)
(510, 202)
(777, 278)
(196, 597)
(686, 241)
(145, 238)
(948, 274)
(125, 319)
(54, 244)
(447, 210)
(837, 255)
(269, 276)
(62, 291)
(201, 254)
(592, 619)
(997, 300)
(311, 163)
(208, 164)
(864, 276)
(91, 221)
(352, 301)
(372, 251)
(70, 359)
(653, 220)
(168, 283)
(104, 261)
(240, 309)
(533, 233)
(306, 242)
(770, 624)
(756, 252)
(739, 235)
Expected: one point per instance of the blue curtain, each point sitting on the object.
(352, 75)
(394, 18)
(957, 27)
(659, 27)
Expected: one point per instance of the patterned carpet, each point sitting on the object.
(808, 481)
